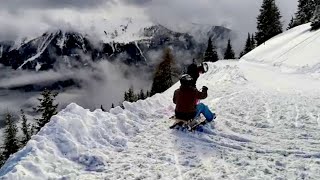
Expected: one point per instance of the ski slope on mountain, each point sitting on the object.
(267, 127)
(296, 50)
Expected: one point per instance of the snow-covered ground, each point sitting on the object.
(296, 50)
(267, 127)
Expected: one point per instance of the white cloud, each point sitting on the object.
(20, 18)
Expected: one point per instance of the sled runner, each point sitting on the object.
(190, 125)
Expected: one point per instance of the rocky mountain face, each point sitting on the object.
(58, 50)
(74, 50)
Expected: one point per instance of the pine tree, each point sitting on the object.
(26, 129)
(163, 76)
(211, 54)
(229, 54)
(248, 46)
(46, 107)
(102, 108)
(148, 94)
(10, 137)
(2, 159)
(291, 24)
(131, 96)
(305, 12)
(241, 54)
(253, 42)
(315, 23)
(268, 22)
(126, 96)
(142, 96)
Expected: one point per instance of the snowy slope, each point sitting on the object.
(267, 127)
(296, 49)
(260, 133)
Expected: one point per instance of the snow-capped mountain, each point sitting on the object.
(73, 49)
(267, 127)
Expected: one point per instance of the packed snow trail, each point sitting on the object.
(260, 133)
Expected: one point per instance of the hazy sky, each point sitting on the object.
(19, 18)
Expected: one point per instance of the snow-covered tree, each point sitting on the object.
(210, 54)
(315, 22)
(10, 137)
(163, 76)
(268, 22)
(46, 107)
(229, 53)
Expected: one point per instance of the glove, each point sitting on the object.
(204, 88)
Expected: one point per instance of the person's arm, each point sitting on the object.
(203, 94)
(175, 97)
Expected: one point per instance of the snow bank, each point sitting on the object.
(78, 139)
(296, 50)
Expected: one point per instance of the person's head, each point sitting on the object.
(202, 68)
(186, 80)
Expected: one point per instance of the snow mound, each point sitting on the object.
(296, 50)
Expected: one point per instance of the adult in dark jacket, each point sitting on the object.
(186, 98)
(194, 71)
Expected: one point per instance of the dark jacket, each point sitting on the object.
(193, 72)
(186, 99)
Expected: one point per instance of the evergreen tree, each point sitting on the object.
(2, 159)
(305, 12)
(10, 137)
(142, 96)
(241, 54)
(211, 54)
(26, 129)
(46, 107)
(291, 24)
(268, 22)
(102, 108)
(112, 105)
(253, 42)
(315, 23)
(248, 46)
(163, 76)
(148, 94)
(229, 54)
(131, 96)
(126, 96)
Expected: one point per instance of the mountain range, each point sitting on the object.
(73, 49)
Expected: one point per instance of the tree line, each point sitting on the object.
(12, 143)
(269, 21)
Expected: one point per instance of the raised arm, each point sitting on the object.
(202, 94)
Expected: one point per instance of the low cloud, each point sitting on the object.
(17, 5)
(19, 18)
